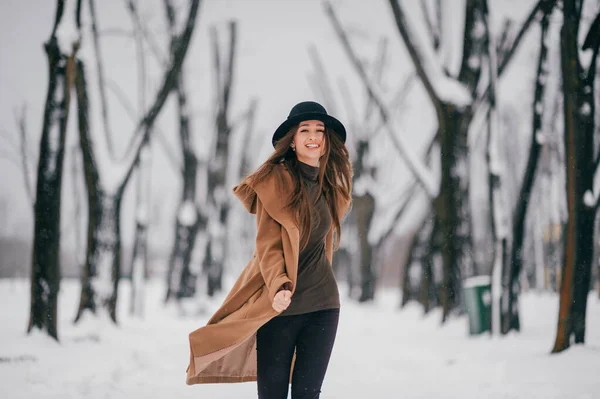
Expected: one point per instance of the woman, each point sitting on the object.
(278, 323)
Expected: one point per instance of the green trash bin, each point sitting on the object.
(477, 297)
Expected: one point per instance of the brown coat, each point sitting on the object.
(225, 349)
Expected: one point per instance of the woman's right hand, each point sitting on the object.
(282, 300)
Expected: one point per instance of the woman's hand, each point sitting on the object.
(282, 300)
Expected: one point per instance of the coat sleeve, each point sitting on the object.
(269, 250)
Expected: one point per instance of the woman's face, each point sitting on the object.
(309, 142)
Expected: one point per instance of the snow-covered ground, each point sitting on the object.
(380, 352)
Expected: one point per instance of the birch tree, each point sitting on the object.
(583, 190)
(106, 179)
(45, 269)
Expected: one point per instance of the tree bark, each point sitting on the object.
(428, 296)
(579, 125)
(181, 281)
(45, 268)
(216, 250)
(102, 271)
(512, 270)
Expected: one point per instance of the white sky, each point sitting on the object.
(273, 65)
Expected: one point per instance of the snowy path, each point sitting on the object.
(379, 353)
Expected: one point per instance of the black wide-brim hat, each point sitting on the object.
(306, 111)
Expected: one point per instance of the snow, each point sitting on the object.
(66, 33)
(476, 281)
(448, 89)
(380, 352)
(540, 138)
(586, 109)
(589, 199)
(141, 215)
(187, 214)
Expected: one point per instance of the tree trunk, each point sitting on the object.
(428, 296)
(579, 125)
(45, 268)
(364, 207)
(216, 250)
(102, 271)
(139, 260)
(453, 208)
(180, 280)
(511, 284)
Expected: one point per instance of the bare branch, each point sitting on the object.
(24, 158)
(141, 56)
(379, 64)
(248, 137)
(214, 38)
(416, 57)
(160, 136)
(592, 41)
(169, 82)
(60, 8)
(434, 33)
(230, 64)
(503, 41)
(541, 4)
(349, 105)
(101, 81)
(154, 48)
(420, 171)
(322, 79)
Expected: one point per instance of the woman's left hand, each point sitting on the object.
(282, 300)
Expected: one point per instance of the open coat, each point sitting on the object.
(225, 349)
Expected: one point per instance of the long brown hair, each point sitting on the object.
(335, 179)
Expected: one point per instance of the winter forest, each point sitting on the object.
(469, 263)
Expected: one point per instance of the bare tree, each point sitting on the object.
(512, 269)
(103, 265)
(218, 204)
(455, 114)
(582, 197)
(139, 259)
(190, 218)
(45, 268)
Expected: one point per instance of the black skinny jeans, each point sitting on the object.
(312, 336)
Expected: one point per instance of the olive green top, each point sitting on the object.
(316, 288)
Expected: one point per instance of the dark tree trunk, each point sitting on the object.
(509, 315)
(428, 296)
(139, 258)
(452, 207)
(103, 258)
(181, 282)
(407, 294)
(579, 144)
(45, 268)
(102, 271)
(363, 209)
(216, 250)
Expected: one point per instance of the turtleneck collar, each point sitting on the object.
(309, 172)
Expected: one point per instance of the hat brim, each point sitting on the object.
(329, 121)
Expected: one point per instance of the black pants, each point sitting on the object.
(312, 336)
